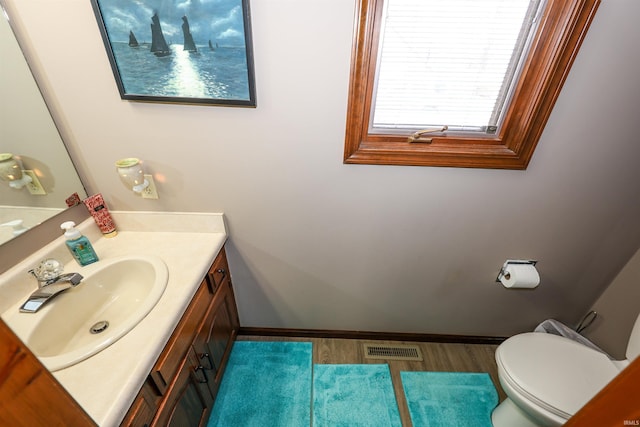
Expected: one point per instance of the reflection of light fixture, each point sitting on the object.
(133, 177)
(11, 170)
(17, 226)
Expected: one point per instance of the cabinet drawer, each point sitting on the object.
(143, 408)
(174, 353)
(218, 272)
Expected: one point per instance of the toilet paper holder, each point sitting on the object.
(504, 273)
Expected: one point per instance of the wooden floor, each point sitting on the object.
(437, 357)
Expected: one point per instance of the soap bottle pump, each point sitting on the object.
(78, 245)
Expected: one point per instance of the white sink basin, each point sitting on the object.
(114, 296)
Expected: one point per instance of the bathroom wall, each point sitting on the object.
(315, 243)
(617, 310)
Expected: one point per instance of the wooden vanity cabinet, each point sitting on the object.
(29, 394)
(183, 384)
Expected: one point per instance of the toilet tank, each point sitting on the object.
(633, 347)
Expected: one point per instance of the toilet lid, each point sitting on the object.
(556, 373)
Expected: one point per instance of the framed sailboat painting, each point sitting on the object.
(183, 52)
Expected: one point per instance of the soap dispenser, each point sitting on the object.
(78, 245)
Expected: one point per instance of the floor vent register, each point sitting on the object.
(392, 352)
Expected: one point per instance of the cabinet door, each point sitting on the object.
(201, 348)
(221, 332)
(215, 338)
(189, 401)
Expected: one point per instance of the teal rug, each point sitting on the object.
(354, 396)
(265, 384)
(444, 399)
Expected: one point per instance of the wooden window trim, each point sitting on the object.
(563, 26)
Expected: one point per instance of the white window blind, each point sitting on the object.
(449, 62)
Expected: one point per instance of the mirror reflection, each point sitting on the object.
(29, 143)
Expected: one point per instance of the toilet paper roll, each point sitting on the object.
(520, 276)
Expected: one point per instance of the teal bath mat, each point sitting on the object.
(265, 384)
(443, 399)
(354, 396)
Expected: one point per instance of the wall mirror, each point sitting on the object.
(28, 131)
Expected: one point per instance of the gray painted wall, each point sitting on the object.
(617, 310)
(318, 244)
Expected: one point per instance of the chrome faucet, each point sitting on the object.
(51, 282)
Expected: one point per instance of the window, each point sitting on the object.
(483, 91)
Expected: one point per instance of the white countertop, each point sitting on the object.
(106, 384)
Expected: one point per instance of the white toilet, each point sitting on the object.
(547, 378)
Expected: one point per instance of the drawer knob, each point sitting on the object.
(207, 356)
(204, 376)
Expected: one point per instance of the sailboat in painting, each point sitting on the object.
(159, 45)
(189, 44)
(133, 42)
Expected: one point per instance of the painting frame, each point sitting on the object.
(220, 72)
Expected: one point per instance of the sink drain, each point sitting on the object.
(99, 327)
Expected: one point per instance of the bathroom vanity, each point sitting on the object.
(183, 384)
(167, 368)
